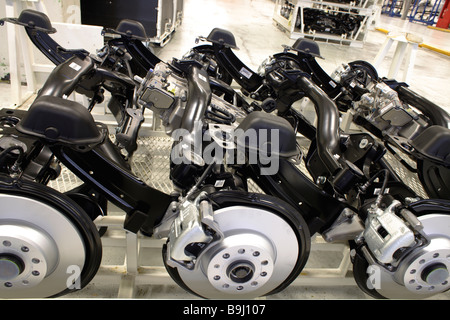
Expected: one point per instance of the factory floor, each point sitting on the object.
(257, 38)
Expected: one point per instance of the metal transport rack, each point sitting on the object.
(317, 19)
(132, 263)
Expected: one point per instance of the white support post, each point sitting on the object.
(14, 69)
(19, 47)
(397, 59)
(405, 52)
(383, 51)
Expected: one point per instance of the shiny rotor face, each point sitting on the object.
(258, 253)
(41, 251)
(423, 273)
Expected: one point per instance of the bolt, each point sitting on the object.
(363, 143)
(321, 180)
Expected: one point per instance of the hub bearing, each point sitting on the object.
(243, 263)
(27, 256)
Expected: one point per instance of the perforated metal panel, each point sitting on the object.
(151, 163)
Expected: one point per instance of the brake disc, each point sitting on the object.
(47, 246)
(259, 253)
(421, 274)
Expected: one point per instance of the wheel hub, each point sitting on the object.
(27, 255)
(435, 274)
(10, 267)
(428, 271)
(243, 263)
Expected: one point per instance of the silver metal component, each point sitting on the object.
(424, 272)
(162, 230)
(27, 256)
(256, 255)
(165, 93)
(241, 263)
(363, 143)
(346, 227)
(382, 108)
(413, 221)
(37, 245)
(207, 216)
(385, 233)
(321, 180)
(428, 270)
(162, 92)
(186, 229)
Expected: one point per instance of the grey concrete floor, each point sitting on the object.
(257, 37)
